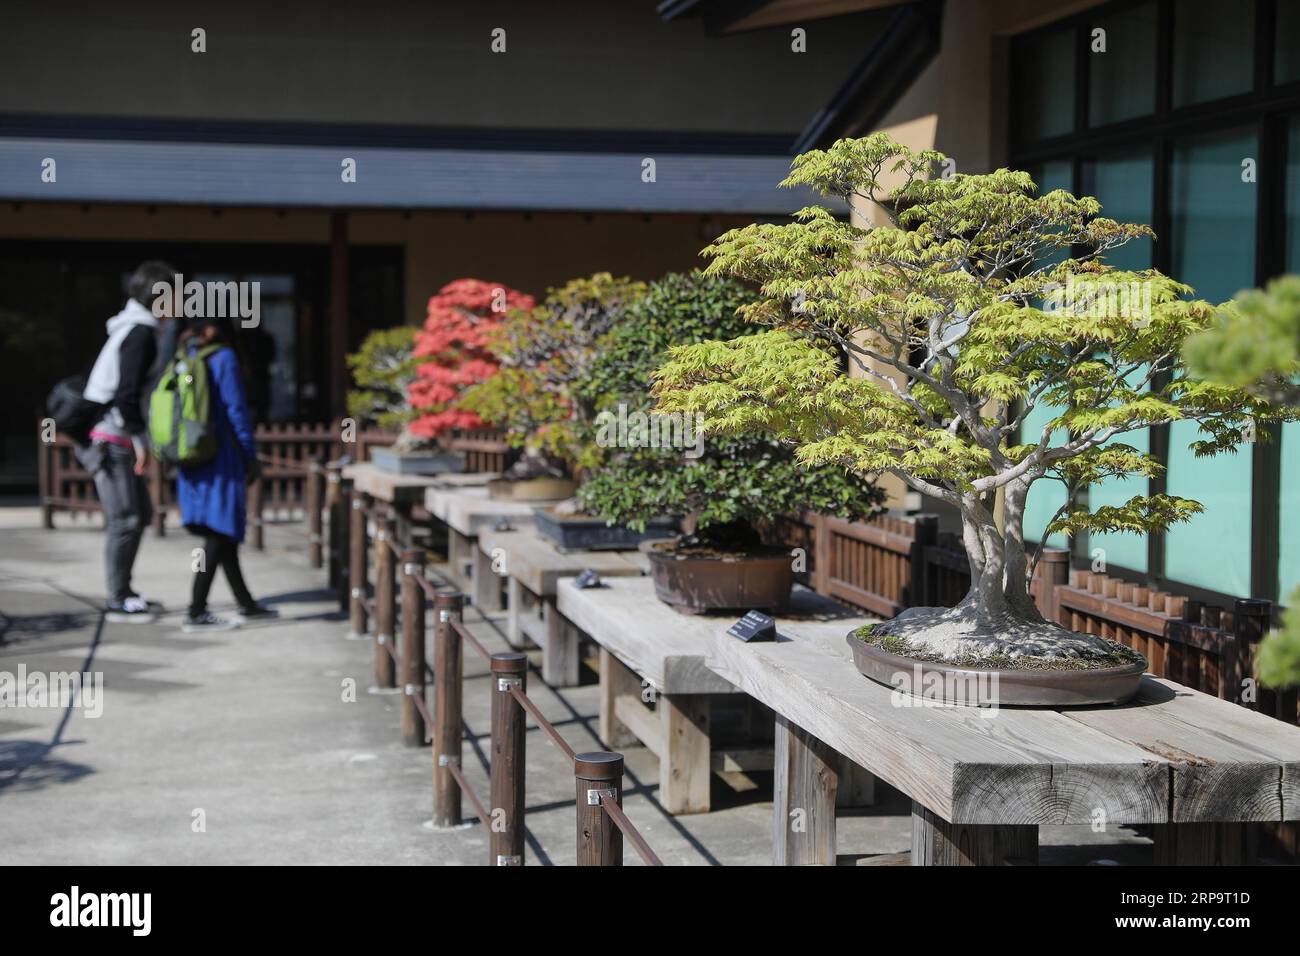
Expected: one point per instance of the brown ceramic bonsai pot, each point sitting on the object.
(697, 583)
(532, 489)
(997, 687)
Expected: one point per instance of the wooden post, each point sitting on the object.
(560, 653)
(600, 841)
(936, 842)
(1053, 572)
(336, 501)
(357, 565)
(1199, 844)
(257, 539)
(45, 472)
(487, 583)
(616, 680)
(821, 576)
(339, 330)
(506, 848)
(1250, 622)
(412, 650)
(385, 603)
(684, 768)
(313, 504)
(448, 665)
(803, 803)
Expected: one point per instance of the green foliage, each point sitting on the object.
(742, 482)
(1254, 343)
(1279, 652)
(546, 354)
(383, 368)
(736, 483)
(961, 318)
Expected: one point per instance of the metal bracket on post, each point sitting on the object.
(381, 536)
(381, 638)
(447, 760)
(357, 505)
(594, 796)
(444, 615)
(410, 568)
(356, 592)
(509, 861)
(505, 683)
(409, 690)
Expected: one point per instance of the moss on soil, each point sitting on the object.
(891, 644)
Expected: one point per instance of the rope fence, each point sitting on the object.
(394, 615)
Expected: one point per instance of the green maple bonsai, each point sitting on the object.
(1255, 344)
(727, 489)
(383, 369)
(960, 322)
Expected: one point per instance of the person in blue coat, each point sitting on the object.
(213, 496)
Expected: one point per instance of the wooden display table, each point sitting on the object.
(533, 568)
(466, 511)
(983, 780)
(649, 651)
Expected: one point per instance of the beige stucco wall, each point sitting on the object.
(529, 252)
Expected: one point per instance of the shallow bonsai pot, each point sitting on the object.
(417, 463)
(934, 681)
(532, 489)
(699, 583)
(585, 533)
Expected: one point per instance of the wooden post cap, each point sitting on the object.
(598, 765)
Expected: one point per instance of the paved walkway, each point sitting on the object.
(243, 748)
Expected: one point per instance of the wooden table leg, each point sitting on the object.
(616, 679)
(1199, 844)
(514, 612)
(684, 768)
(560, 652)
(487, 584)
(857, 786)
(803, 803)
(936, 842)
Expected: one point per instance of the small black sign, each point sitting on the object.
(502, 524)
(589, 579)
(754, 626)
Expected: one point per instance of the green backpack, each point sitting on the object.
(180, 411)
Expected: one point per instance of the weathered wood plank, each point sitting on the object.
(470, 510)
(560, 650)
(936, 842)
(616, 681)
(968, 765)
(386, 486)
(684, 768)
(539, 566)
(1228, 763)
(642, 722)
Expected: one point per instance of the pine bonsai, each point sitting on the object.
(451, 353)
(383, 369)
(1255, 344)
(728, 488)
(960, 321)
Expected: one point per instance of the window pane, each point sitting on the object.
(1123, 185)
(1213, 249)
(1042, 77)
(1214, 43)
(1286, 43)
(1122, 80)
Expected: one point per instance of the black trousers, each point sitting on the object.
(219, 551)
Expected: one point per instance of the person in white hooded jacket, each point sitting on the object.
(118, 453)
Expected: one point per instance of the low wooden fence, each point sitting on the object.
(285, 450)
(397, 610)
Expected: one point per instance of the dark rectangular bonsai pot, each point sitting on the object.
(432, 462)
(584, 533)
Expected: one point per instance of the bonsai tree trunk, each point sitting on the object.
(997, 617)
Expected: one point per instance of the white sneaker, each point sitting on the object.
(208, 622)
(133, 610)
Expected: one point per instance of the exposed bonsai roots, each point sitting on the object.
(962, 633)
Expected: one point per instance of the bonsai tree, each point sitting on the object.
(544, 354)
(727, 489)
(451, 353)
(959, 321)
(1255, 344)
(383, 370)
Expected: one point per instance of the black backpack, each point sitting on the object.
(73, 413)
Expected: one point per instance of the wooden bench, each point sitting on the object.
(466, 511)
(533, 568)
(651, 652)
(983, 780)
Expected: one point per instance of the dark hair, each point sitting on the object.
(146, 276)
